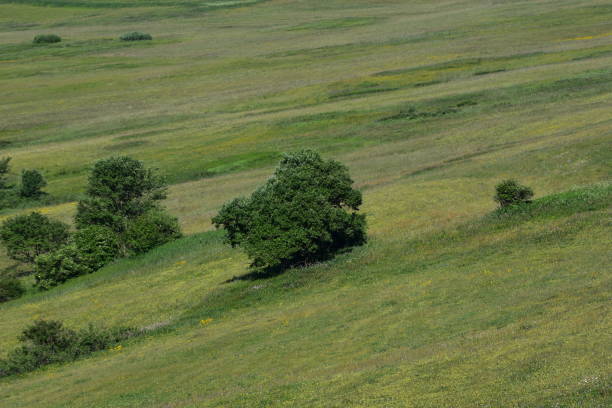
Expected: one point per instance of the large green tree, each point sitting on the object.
(305, 213)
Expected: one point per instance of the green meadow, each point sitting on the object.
(429, 104)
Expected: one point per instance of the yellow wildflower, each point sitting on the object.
(205, 322)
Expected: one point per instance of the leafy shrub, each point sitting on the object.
(305, 213)
(151, 229)
(47, 342)
(31, 184)
(28, 236)
(58, 266)
(97, 246)
(10, 288)
(509, 192)
(135, 36)
(47, 39)
(91, 248)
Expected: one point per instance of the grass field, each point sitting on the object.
(429, 104)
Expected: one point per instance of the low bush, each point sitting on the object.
(97, 246)
(28, 236)
(48, 342)
(10, 288)
(119, 189)
(509, 192)
(58, 266)
(47, 39)
(150, 230)
(136, 36)
(32, 183)
(91, 248)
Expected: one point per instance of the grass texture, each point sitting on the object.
(452, 303)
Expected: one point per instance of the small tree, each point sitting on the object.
(124, 196)
(32, 183)
(4, 169)
(509, 192)
(305, 213)
(27, 236)
(120, 189)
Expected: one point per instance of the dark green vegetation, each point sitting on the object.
(305, 213)
(151, 229)
(509, 192)
(123, 195)
(90, 249)
(46, 39)
(4, 169)
(135, 36)
(27, 193)
(120, 217)
(32, 183)
(452, 302)
(49, 342)
(10, 288)
(27, 236)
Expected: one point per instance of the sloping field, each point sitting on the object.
(430, 104)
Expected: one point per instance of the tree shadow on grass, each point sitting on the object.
(258, 274)
(271, 272)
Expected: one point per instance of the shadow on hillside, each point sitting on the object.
(258, 274)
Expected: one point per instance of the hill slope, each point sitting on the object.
(429, 104)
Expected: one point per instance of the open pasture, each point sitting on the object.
(429, 104)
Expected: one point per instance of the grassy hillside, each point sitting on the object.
(430, 104)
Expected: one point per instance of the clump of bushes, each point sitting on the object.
(32, 182)
(49, 341)
(136, 36)
(305, 213)
(28, 236)
(47, 39)
(509, 192)
(91, 248)
(10, 288)
(120, 217)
